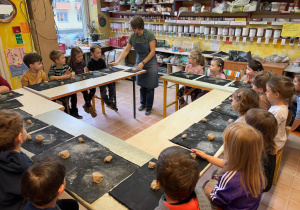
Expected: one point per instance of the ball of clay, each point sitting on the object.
(151, 164)
(83, 77)
(154, 185)
(102, 73)
(232, 84)
(204, 120)
(217, 77)
(46, 82)
(62, 83)
(218, 108)
(29, 122)
(72, 78)
(210, 136)
(10, 94)
(187, 76)
(245, 82)
(230, 121)
(97, 177)
(217, 81)
(64, 154)
(80, 140)
(188, 72)
(230, 99)
(90, 72)
(29, 138)
(39, 138)
(108, 159)
(110, 68)
(193, 155)
(184, 136)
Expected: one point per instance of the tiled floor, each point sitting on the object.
(284, 195)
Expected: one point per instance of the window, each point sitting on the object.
(79, 18)
(78, 1)
(64, 1)
(62, 16)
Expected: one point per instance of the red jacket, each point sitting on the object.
(3, 82)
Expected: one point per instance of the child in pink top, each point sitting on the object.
(216, 68)
(195, 66)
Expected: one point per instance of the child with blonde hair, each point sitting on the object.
(244, 99)
(280, 90)
(259, 83)
(296, 109)
(242, 181)
(196, 66)
(266, 123)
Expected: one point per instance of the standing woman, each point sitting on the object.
(143, 42)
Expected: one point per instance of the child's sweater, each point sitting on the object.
(94, 65)
(195, 70)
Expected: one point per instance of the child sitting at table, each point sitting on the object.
(41, 185)
(244, 99)
(195, 66)
(280, 91)
(4, 86)
(97, 63)
(35, 74)
(59, 71)
(12, 161)
(216, 68)
(259, 82)
(242, 181)
(78, 65)
(252, 68)
(177, 173)
(296, 107)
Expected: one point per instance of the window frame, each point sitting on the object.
(64, 13)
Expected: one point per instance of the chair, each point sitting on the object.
(279, 156)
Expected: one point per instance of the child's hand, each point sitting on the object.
(114, 63)
(200, 153)
(85, 69)
(68, 72)
(67, 76)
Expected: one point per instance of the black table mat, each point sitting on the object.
(135, 192)
(79, 180)
(42, 86)
(227, 100)
(132, 71)
(110, 71)
(5, 96)
(239, 84)
(36, 124)
(22, 113)
(226, 109)
(197, 134)
(212, 80)
(183, 74)
(53, 136)
(10, 104)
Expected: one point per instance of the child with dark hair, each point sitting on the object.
(12, 161)
(97, 63)
(216, 68)
(35, 74)
(252, 68)
(259, 83)
(42, 184)
(177, 173)
(295, 123)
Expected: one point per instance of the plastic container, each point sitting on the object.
(153, 27)
(245, 32)
(225, 31)
(213, 30)
(220, 31)
(165, 27)
(201, 29)
(231, 31)
(161, 28)
(238, 31)
(277, 33)
(192, 29)
(197, 29)
(252, 32)
(180, 29)
(282, 6)
(269, 32)
(175, 28)
(156, 27)
(206, 30)
(186, 29)
(170, 28)
(260, 32)
(275, 6)
(291, 6)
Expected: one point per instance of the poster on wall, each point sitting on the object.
(14, 58)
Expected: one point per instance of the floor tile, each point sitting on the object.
(296, 183)
(292, 205)
(285, 178)
(295, 195)
(264, 207)
(274, 201)
(281, 189)
(289, 168)
(127, 136)
(119, 133)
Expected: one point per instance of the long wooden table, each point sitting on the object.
(69, 89)
(157, 137)
(191, 83)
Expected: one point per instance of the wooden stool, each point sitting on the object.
(279, 156)
(102, 103)
(296, 133)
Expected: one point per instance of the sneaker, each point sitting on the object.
(93, 112)
(86, 108)
(141, 108)
(77, 116)
(148, 111)
(74, 113)
(112, 105)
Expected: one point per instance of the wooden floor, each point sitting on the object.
(284, 195)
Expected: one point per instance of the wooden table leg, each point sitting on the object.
(176, 105)
(165, 99)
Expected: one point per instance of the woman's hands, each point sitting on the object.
(114, 63)
(140, 66)
(200, 153)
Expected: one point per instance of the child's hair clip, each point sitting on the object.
(240, 94)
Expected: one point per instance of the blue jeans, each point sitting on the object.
(147, 97)
(294, 110)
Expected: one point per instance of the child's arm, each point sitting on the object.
(213, 160)
(4, 85)
(24, 81)
(44, 76)
(66, 76)
(70, 70)
(102, 63)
